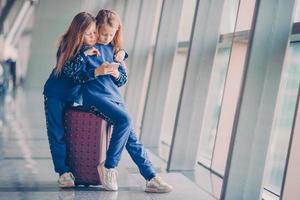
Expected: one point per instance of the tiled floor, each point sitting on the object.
(26, 170)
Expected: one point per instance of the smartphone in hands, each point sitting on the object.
(115, 65)
(111, 66)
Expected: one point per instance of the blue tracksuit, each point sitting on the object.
(101, 95)
(59, 92)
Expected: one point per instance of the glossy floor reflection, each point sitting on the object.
(26, 171)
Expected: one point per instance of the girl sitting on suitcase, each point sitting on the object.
(101, 95)
(60, 91)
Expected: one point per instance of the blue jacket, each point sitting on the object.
(67, 85)
(100, 86)
(63, 87)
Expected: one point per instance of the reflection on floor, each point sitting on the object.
(27, 172)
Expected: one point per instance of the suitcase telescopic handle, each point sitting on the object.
(108, 128)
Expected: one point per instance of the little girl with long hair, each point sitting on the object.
(101, 95)
(60, 91)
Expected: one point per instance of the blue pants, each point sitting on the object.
(56, 135)
(123, 135)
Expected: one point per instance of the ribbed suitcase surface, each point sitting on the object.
(87, 139)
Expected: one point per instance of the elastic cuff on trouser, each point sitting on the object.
(152, 175)
(61, 173)
(62, 170)
(108, 166)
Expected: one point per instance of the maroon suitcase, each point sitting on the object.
(87, 137)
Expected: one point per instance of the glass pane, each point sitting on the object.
(292, 175)
(214, 100)
(297, 12)
(148, 68)
(229, 16)
(176, 78)
(186, 20)
(213, 105)
(283, 119)
(233, 83)
(284, 115)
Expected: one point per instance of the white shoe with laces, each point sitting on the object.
(66, 180)
(108, 177)
(157, 185)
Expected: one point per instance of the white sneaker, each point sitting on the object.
(66, 180)
(157, 185)
(108, 177)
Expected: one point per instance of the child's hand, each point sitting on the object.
(92, 51)
(115, 72)
(122, 63)
(103, 69)
(120, 55)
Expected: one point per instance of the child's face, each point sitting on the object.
(90, 35)
(106, 34)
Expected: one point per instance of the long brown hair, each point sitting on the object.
(111, 18)
(71, 42)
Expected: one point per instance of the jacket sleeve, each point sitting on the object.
(126, 54)
(122, 78)
(75, 69)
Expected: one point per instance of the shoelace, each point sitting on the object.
(157, 182)
(68, 177)
(158, 179)
(72, 177)
(111, 175)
